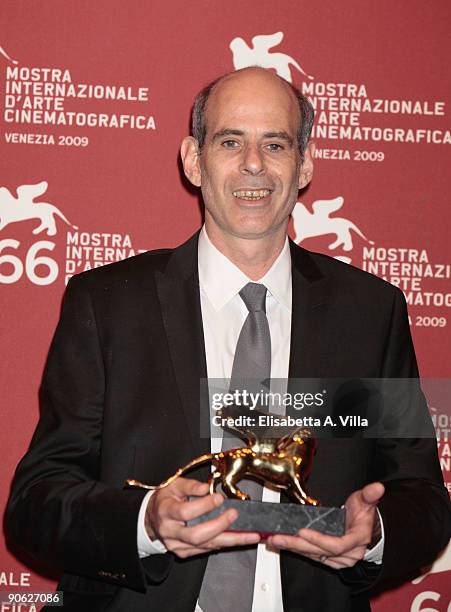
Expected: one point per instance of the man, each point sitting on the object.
(121, 393)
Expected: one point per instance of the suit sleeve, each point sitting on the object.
(59, 510)
(410, 470)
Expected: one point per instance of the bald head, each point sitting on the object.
(258, 80)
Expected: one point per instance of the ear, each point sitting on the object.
(306, 171)
(189, 152)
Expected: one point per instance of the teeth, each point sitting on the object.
(252, 195)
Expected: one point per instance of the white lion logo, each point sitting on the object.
(319, 223)
(3, 52)
(23, 208)
(259, 55)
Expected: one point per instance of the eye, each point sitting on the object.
(230, 144)
(274, 147)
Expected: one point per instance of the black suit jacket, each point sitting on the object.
(120, 398)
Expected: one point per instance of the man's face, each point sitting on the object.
(250, 168)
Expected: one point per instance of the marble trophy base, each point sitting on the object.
(269, 518)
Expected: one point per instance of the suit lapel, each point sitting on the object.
(178, 293)
(309, 316)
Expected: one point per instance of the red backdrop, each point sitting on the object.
(95, 100)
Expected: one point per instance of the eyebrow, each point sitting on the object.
(279, 135)
(227, 132)
(282, 135)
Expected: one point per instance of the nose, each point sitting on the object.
(252, 161)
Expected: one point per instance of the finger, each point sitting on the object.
(183, 550)
(199, 534)
(224, 540)
(372, 493)
(188, 510)
(340, 562)
(331, 544)
(232, 539)
(185, 487)
(333, 564)
(300, 546)
(297, 544)
(350, 558)
(354, 555)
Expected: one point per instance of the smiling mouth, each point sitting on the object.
(252, 195)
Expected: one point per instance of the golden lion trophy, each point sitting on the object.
(282, 463)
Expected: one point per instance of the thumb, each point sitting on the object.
(372, 493)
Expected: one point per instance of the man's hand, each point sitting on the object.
(350, 548)
(168, 510)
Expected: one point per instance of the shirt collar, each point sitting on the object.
(221, 280)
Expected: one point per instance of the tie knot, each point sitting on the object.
(254, 296)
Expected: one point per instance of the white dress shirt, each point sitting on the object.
(223, 315)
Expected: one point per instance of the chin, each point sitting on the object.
(254, 232)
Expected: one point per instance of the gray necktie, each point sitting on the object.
(228, 584)
(252, 361)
